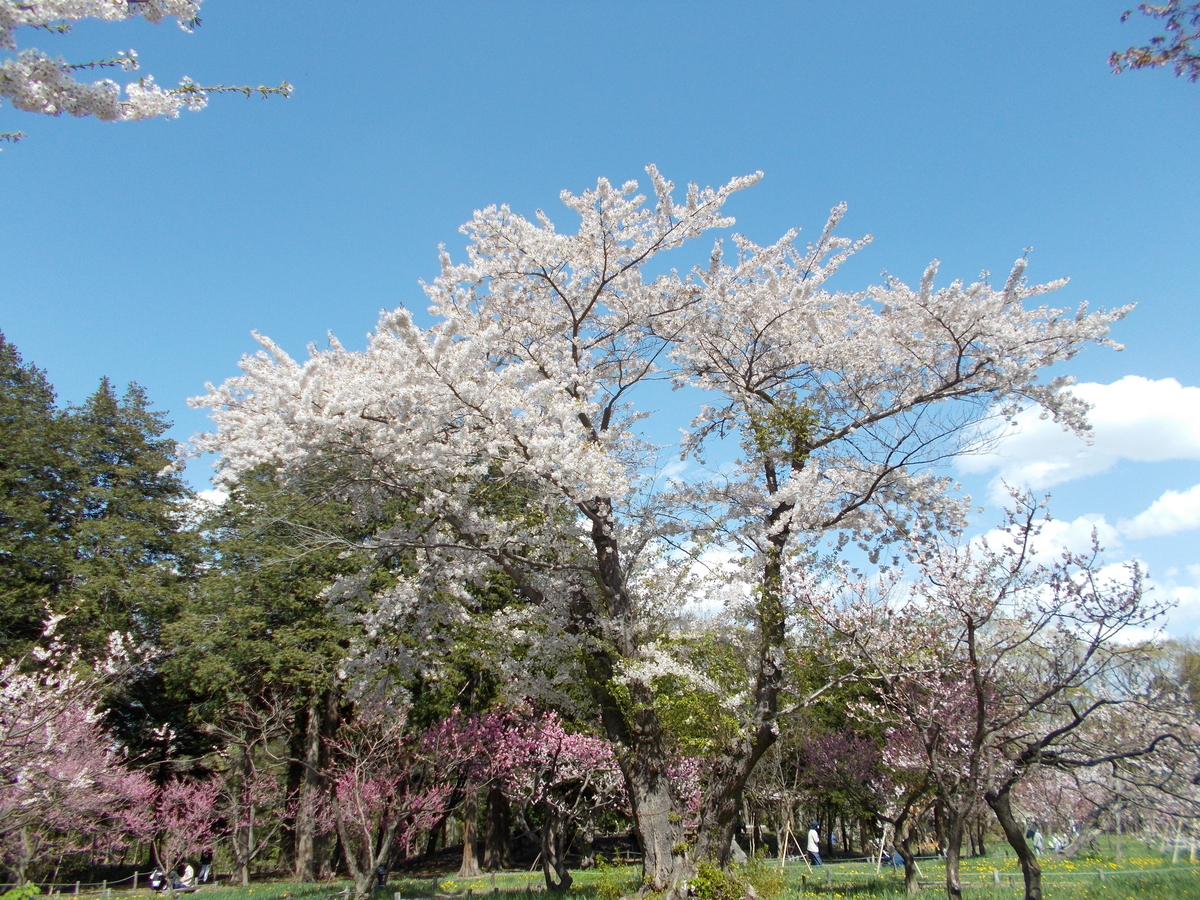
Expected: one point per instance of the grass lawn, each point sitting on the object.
(1139, 878)
(1141, 874)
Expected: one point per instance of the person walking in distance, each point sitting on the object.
(814, 844)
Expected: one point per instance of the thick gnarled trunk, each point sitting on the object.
(668, 862)
(955, 826)
(903, 846)
(1001, 804)
(554, 845)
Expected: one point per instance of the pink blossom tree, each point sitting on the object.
(560, 774)
(551, 776)
(465, 746)
(181, 821)
(63, 784)
(995, 663)
(384, 792)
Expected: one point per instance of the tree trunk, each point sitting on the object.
(470, 852)
(243, 836)
(954, 837)
(1085, 836)
(902, 843)
(244, 848)
(497, 828)
(22, 858)
(331, 720)
(310, 788)
(723, 796)
(904, 848)
(322, 719)
(666, 865)
(295, 779)
(939, 825)
(657, 813)
(375, 848)
(633, 723)
(1088, 830)
(586, 843)
(1001, 804)
(554, 847)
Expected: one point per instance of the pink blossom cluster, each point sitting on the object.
(63, 785)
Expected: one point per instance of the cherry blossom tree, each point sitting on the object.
(932, 743)
(566, 778)
(1174, 47)
(545, 341)
(183, 820)
(36, 82)
(995, 664)
(383, 793)
(63, 785)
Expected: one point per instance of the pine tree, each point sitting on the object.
(132, 549)
(257, 620)
(34, 506)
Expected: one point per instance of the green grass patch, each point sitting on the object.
(1140, 874)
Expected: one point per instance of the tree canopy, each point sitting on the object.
(543, 345)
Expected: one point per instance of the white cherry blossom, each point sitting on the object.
(34, 81)
(532, 380)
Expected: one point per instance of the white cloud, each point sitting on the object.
(1172, 512)
(1134, 418)
(1057, 535)
(1077, 534)
(674, 469)
(1184, 619)
(213, 497)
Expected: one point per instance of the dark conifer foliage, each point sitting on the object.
(34, 500)
(132, 553)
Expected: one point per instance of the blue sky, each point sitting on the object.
(967, 132)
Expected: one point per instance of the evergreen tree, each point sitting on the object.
(34, 508)
(132, 549)
(257, 636)
(256, 620)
